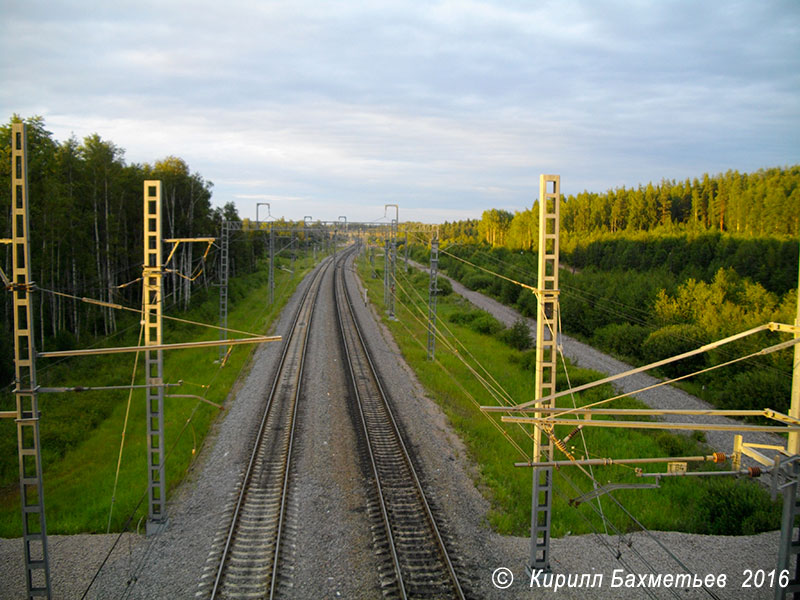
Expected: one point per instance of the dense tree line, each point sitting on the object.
(761, 204)
(750, 222)
(772, 261)
(87, 233)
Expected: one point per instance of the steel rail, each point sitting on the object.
(302, 309)
(343, 300)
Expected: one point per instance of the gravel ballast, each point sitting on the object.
(330, 548)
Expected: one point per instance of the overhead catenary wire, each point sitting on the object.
(132, 514)
(461, 387)
(642, 528)
(506, 396)
(623, 312)
(761, 353)
(498, 392)
(139, 311)
(604, 519)
(492, 386)
(140, 565)
(575, 404)
(595, 483)
(481, 379)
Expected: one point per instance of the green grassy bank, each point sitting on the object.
(717, 505)
(81, 432)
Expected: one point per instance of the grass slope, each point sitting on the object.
(701, 505)
(81, 433)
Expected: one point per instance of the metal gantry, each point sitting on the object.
(31, 491)
(152, 301)
(546, 354)
(433, 293)
(789, 550)
(224, 266)
(390, 261)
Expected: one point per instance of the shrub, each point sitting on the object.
(464, 318)
(486, 324)
(526, 303)
(731, 507)
(518, 336)
(756, 389)
(478, 281)
(508, 292)
(623, 339)
(477, 320)
(527, 360)
(443, 286)
(670, 341)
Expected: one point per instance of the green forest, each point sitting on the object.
(647, 272)
(657, 270)
(763, 204)
(86, 232)
(87, 235)
(696, 258)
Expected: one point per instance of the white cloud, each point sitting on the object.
(447, 107)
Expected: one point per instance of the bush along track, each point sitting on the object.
(689, 505)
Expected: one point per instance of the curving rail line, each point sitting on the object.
(422, 567)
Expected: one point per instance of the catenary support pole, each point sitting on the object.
(223, 284)
(153, 297)
(794, 406)
(386, 272)
(271, 265)
(34, 527)
(393, 272)
(546, 341)
(433, 293)
(790, 539)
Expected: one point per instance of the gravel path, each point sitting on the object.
(583, 355)
(331, 550)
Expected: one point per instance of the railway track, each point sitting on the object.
(421, 567)
(249, 559)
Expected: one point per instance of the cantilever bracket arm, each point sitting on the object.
(177, 242)
(785, 328)
(610, 487)
(196, 397)
(532, 406)
(179, 346)
(652, 425)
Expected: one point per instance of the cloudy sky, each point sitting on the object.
(446, 108)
